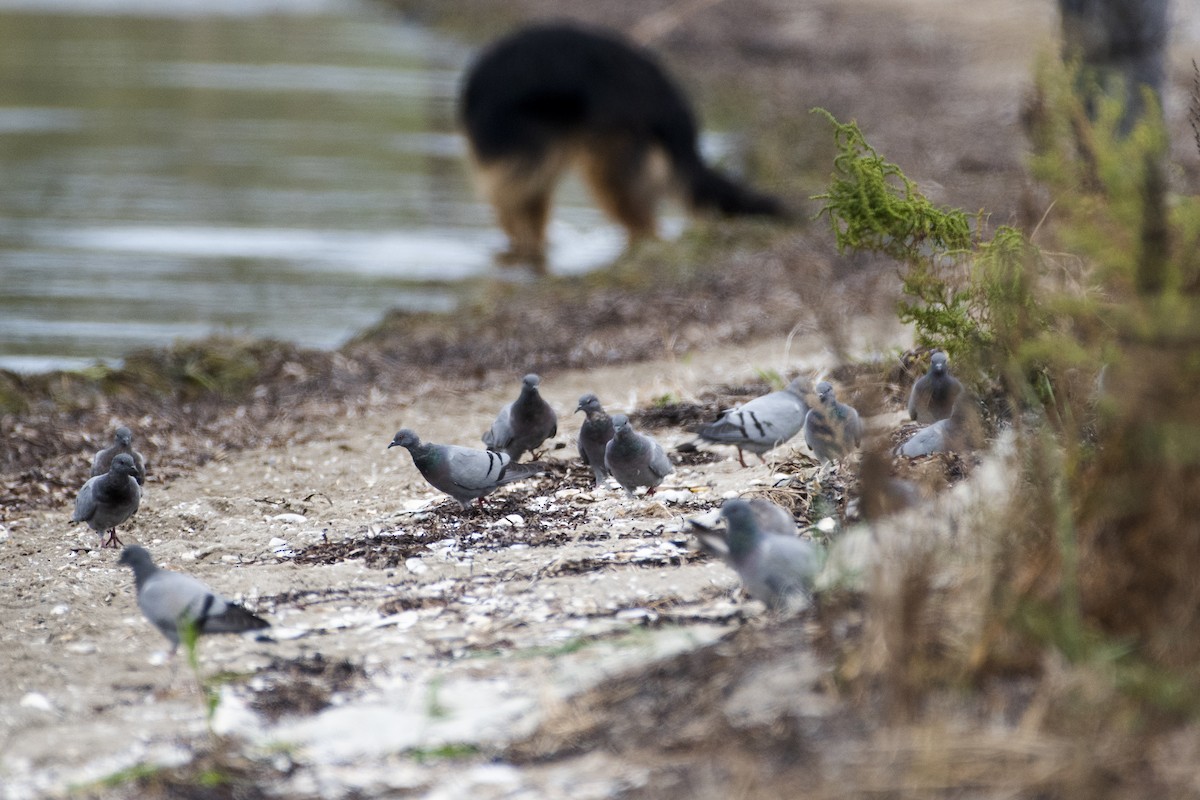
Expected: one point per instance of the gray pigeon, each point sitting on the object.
(463, 473)
(764, 423)
(523, 424)
(958, 432)
(171, 600)
(635, 459)
(773, 566)
(108, 500)
(772, 518)
(594, 435)
(933, 395)
(831, 429)
(122, 443)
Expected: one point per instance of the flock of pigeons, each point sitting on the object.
(760, 539)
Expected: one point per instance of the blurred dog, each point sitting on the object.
(550, 97)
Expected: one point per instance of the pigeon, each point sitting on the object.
(635, 459)
(172, 600)
(594, 434)
(122, 443)
(958, 432)
(463, 473)
(772, 518)
(764, 423)
(108, 500)
(774, 566)
(831, 429)
(523, 424)
(934, 393)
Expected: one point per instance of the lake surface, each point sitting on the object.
(284, 168)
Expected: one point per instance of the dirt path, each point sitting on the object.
(460, 629)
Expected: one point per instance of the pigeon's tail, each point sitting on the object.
(723, 430)
(711, 542)
(519, 472)
(232, 619)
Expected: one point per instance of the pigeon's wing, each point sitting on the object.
(790, 564)
(772, 518)
(475, 469)
(101, 462)
(659, 463)
(930, 439)
(778, 416)
(140, 463)
(854, 426)
(167, 597)
(817, 433)
(85, 501)
(768, 420)
(500, 435)
(582, 445)
(914, 397)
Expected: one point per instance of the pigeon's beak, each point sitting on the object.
(578, 409)
(393, 444)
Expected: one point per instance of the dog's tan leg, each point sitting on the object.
(628, 181)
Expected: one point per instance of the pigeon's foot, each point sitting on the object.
(112, 540)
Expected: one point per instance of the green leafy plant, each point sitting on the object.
(1097, 331)
(189, 636)
(871, 205)
(444, 752)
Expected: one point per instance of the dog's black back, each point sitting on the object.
(543, 83)
(549, 95)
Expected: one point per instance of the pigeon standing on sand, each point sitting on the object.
(772, 518)
(764, 423)
(122, 443)
(523, 424)
(635, 459)
(958, 432)
(773, 566)
(108, 500)
(463, 473)
(594, 435)
(934, 393)
(831, 429)
(172, 601)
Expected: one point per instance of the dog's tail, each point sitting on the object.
(710, 190)
(705, 189)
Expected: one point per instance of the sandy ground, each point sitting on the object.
(466, 627)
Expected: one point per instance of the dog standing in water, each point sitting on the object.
(550, 97)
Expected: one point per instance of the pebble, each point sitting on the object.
(38, 701)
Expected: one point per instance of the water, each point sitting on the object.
(285, 168)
